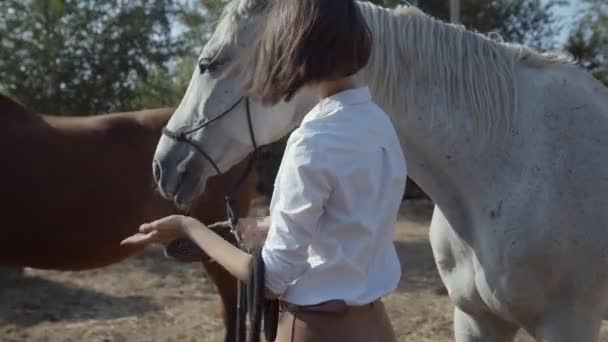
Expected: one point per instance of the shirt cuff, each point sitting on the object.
(272, 279)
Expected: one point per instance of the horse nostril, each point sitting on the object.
(157, 171)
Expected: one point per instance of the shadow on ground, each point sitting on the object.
(418, 269)
(417, 211)
(419, 272)
(29, 300)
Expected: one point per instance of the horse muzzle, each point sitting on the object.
(179, 174)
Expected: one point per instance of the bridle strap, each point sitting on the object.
(209, 122)
(183, 136)
(254, 143)
(233, 216)
(230, 196)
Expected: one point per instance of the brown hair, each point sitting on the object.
(304, 42)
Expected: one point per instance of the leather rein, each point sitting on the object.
(251, 296)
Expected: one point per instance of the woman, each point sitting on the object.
(329, 253)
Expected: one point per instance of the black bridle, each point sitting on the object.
(252, 297)
(184, 137)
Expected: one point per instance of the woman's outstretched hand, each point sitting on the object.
(174, 227)
(163, 230)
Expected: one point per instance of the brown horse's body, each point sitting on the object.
(73, 188)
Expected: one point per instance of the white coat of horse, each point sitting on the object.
(511, 145)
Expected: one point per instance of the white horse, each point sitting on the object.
(511, 145)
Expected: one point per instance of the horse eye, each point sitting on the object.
(203, 67)
(208, 65)
(212, 66)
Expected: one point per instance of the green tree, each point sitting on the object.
(198, 19)
(195, 23)
(83, 56)
(164, 87)
(588, 41)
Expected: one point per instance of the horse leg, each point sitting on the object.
(569, 323)
(226, 286)
(481, 328)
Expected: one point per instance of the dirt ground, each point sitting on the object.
(148, 298)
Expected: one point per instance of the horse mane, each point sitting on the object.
(469, 72)
(472, 72)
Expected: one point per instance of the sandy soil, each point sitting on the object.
(148, 298)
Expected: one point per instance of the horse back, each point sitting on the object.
(78, 185)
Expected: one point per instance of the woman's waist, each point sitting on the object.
(362, 253)
(356, 264)
(330, 306)
(355, 287)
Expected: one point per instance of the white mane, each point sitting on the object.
(469, 70)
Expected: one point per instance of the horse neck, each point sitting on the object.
(141, 130)
(439, 148)
(13, 115)
(118, 142)
(121, 144)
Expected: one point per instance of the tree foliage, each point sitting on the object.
(195, 23)
(83, 56)
(589, 40)
(198, 18)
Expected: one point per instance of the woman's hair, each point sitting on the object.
(304, 42)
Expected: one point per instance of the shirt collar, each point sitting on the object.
(350, 97)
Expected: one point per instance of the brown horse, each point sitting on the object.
(73, 188)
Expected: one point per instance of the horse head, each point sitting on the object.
(215, 103)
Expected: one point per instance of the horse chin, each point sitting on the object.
(183, 208)
(186, 195)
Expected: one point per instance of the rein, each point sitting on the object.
(252, 295)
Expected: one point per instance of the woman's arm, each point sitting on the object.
(234, 260)
(302, 191)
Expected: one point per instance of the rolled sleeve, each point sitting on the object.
(302, 189)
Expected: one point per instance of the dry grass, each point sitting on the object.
(150, 299)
